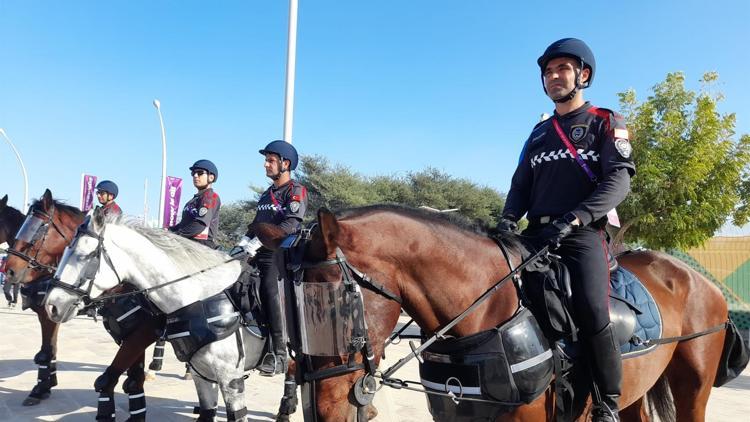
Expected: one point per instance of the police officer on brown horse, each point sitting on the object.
(574, 168)
(283, 204)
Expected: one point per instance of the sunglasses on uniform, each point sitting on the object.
(199, 173)
(101, 192)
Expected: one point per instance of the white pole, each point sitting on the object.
(23, 170)
(145, 202)
(157, 104)
(291, 62)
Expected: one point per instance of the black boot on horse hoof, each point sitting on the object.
(33, 401)
(273, 364)
(204, 415)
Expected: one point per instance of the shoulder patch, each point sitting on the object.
(294, 206)
(203, 211)
(623, 147)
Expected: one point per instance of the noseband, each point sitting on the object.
(32, 263)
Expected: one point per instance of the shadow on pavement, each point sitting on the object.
(14, 367)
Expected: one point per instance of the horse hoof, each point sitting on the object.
(150, 376)
(33, 401)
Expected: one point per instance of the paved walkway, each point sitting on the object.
(85, 349)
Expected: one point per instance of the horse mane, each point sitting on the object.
(450, 220)
(59, 206)
(186, 254)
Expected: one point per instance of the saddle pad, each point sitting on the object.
(648, 321)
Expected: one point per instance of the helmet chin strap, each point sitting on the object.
(572, 92)
(282, 170)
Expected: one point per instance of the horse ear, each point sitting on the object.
(47, 202)
(329, 228)
(3, 202)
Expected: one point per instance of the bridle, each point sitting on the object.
(352, 279)
(32, 263)
(92, 267)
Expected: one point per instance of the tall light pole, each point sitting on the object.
(291, 62)
(157, 104)
(23, 170)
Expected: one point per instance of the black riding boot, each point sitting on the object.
(274, 362)
(606, 369)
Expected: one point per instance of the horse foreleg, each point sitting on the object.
(289, 400)
(46, 359)
(208, 398)
(233, 389)
(133, 387)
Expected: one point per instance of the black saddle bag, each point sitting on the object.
(511, 364)
(546, 292)
(734, 356)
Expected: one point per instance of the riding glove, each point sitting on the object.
(246, 246)
(507, 225)
(557, 230)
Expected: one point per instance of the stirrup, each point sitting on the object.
(271, 365)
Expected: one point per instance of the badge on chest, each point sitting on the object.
(577, 132)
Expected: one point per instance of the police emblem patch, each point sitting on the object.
(203, 211)
(623, 147)
(577, 132)
(294, 206)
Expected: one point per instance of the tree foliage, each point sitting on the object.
(336, 187)
(692, 171)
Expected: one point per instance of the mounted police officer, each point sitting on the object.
(200, 216)
(574, 168)
(200, 222)
(283, 204)
(106, 192)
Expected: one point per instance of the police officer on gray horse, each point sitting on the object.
(283, 204)
(574, 168)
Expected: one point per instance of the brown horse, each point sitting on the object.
(438, 268)
(45, 252)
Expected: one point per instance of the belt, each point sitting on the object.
(544, 219)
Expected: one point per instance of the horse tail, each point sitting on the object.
(659, 399)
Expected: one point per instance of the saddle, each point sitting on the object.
(217, 317)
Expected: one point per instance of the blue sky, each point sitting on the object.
(385, 87)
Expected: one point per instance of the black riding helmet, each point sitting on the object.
(575, 49)
(284, 150)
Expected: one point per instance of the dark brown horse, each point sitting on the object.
(45, 252)
(438, 268)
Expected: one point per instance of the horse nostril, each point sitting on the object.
(10, 273)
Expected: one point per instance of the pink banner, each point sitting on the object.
(172, 192)
(88, 190)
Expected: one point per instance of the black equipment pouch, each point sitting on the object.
(734, 356)
(547, 289)
(510, 364)
(122, 316)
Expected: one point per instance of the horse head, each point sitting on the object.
(80, 275)
(10, 220)
(40, 241)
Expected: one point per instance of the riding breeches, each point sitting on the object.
(271, 301)
(586, 254)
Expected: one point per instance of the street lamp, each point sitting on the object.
(157, 104)
(23, 170)
(291, 62)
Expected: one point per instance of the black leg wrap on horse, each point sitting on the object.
(107, 380)
(105, 410)
(606, 369)
(46, 377)
(289, 401)
(133, 387)
(236, 415)
(158, 358)
(204, 415)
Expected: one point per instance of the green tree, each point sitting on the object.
(337, 187)
(233, 221)
(692, 172)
